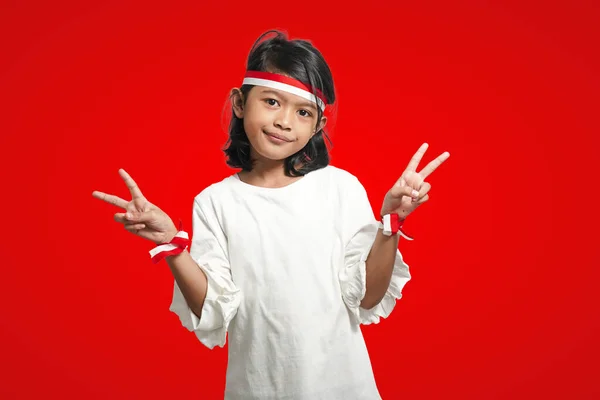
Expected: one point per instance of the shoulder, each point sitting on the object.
(340, 175)
(353, 204)
(343, 180)
(212, 194)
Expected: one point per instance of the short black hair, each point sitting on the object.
(300, 60)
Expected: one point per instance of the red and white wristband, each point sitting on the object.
(179, 243)
(392, 225)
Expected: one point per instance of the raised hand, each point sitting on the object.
(411, 190)
(141, 217)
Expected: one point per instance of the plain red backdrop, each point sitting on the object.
(503, 299)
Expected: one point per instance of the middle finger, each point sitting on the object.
(110, 199)
(429, 168)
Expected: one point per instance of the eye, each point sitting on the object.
(271, 102)
(305, 113)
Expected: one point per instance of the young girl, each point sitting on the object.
(286, 256)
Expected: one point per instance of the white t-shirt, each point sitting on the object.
(286, 275)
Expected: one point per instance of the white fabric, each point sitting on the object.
(286, 270)
(387, 225)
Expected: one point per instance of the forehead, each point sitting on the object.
(285, 96)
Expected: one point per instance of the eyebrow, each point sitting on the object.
(300, 104)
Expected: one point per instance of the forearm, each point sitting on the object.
(191, 280)
(379, 268)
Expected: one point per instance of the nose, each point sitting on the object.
(283, 119)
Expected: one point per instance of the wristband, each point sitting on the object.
(392, 224)
(179, 243)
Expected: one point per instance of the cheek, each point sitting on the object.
(254, 119)
(305, 131)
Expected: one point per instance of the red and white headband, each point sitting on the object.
(286, 84)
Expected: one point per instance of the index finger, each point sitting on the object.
(429, 168)
(135, 191)
(414, 161)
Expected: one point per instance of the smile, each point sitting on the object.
(277, 138)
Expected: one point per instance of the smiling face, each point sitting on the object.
(278, 124)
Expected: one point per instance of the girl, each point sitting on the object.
(286, 255)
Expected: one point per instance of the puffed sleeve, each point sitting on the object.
(208, 248)
(359, 232)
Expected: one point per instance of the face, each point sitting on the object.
(278, 124)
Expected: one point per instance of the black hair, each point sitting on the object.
(300, 60)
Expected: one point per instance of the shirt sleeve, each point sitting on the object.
(360, 230)
(208, 249)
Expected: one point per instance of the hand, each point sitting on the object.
(141, 218)
(411, 190)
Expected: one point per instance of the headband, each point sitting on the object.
(286, 84)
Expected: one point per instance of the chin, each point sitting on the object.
(274, 152)
(272, 155)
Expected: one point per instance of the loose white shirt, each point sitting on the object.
(286, 275)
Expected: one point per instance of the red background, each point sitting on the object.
(503, 299)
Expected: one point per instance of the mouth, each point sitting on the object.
(276, 136)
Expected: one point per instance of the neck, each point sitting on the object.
(267, 173)
(268, 170)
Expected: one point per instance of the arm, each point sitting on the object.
(149, 222)
(191, 280)
(408, 193)
(205, 298)
(379, 267)
(203, 283)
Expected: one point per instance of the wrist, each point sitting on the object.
(170, 257)
(401, 216)
(169, 235)
(391, 225)
(174, 243)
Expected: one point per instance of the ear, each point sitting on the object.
(320, 126)
(237, 101)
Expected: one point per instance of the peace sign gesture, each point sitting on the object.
(141, 217)
(411, 190)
